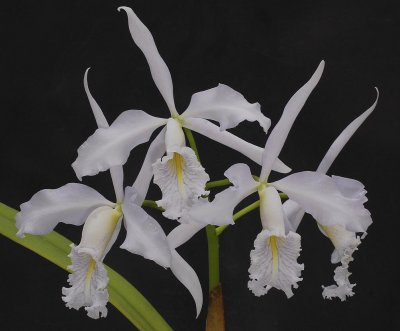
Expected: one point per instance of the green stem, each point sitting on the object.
(217, 183)
(151, 204)
(238, 215)
(192, 142)
(212, 238)
(213, 258)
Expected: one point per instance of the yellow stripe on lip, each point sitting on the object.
(273, 244)
(178, 164)
(88, 281)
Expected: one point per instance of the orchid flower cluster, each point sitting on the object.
(336, 203)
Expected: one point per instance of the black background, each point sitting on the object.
(264, 49)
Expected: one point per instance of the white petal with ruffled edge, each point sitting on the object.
(220, 210)
(88, 282)
(212, 131)
(181, 179)
(109, 147)
(144, 236)
(159, 70)
(226, 106)
(278, 136)
(274, 263)
(343, 288)
(70, 204)
(319, 196)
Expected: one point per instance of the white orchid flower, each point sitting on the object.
(274, 259)
(79, 204)
(179, 174)
(345, 242)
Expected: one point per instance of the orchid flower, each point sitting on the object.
(179, 174)
(274, 259)
(345, 242)
(79, 204)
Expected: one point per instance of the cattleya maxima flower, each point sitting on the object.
(345, 242)
(276, 248)
(179, 174)
(79, 204)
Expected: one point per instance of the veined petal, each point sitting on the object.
(143, 179)
(226, 106)
(274, 263)
(343, 287)
(226, 138)
(281, 130)
(88, 282)
(319, 196)
(181, 179)
(109, 147)
(159, 70)
(182, 233)
(188, 277)
(344, 137)
(70, 204)
(294, 214)
(117, 174)
(220, 210)
(144, 236)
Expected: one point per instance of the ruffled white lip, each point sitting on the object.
(181, 179)
(88, 282)
(346, 243)
(274, 263)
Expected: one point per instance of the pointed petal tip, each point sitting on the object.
(124, 8)
(320, 69)
(77, 173)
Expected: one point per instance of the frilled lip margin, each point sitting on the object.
(55, 248)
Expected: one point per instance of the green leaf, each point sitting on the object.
(55, 248)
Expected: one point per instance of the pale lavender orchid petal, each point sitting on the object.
(109, 147)
(188, 277)
(144, 236)
(220, 210)
(319, 196)
(70, 204)
(226, 138)
(117, 173)
(143, 179)
(226, 106)
(294, 214)
(344, 137)
(182, 233)
(159, 70)
(281, 130)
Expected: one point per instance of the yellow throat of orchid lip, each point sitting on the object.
(177, 163)
(273, 244)
(113, 222)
